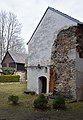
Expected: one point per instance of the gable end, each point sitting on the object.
(5, 57)
(58, 12)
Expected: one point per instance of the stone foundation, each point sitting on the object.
(22, 76)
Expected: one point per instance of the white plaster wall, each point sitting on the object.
(79, 63)
(41, 43)
(39, 48)
(72, 54)
(79, 73)
(33, 81)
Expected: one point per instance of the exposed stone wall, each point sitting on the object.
(22, 76)
(63, 61)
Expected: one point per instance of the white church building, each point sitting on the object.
(40, 47)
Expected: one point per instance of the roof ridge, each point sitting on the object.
(17, 56)
(65, 15)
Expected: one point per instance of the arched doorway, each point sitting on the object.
(42, 84)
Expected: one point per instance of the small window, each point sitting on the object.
(45, 69)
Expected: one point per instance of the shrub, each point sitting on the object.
(8, 70)
(14, 99)
(41, 102)
(9, 78)
(59, 102)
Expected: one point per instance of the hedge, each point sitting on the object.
(9, 78)
(8, 70)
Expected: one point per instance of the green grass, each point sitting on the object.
(25, 111)
(76, 106)
(15, 89)
(25, 101)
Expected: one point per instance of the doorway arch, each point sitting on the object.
(42, 84)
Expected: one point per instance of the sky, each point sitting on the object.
(29, 12)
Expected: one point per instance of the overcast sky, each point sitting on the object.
(29, 12)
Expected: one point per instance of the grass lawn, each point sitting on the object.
(25, 111)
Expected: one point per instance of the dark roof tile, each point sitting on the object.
(18, 57)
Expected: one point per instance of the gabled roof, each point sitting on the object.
(58, 12)
(17, 57)
(65, 15)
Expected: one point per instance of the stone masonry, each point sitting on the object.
(63, 61)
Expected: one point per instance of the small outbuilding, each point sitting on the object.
(16, 61)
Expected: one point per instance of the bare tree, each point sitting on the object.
(2, 31)
(10, 33)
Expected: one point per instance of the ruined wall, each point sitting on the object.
(63, 60)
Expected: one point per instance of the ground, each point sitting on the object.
(25, 111)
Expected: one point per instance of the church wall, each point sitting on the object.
(40, 46)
